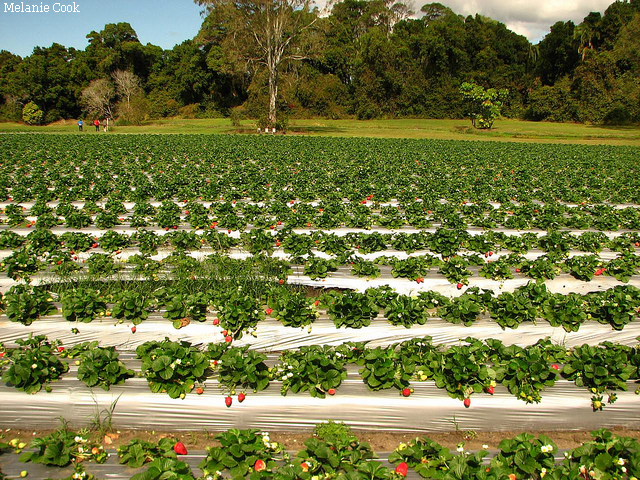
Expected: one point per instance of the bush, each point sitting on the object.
(618, 115)
(31, 114)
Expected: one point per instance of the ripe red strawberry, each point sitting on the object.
(216, 321)
(406, 392)
(402, 469)
(224, 332)
(268, 311)
(467, 402)
(60, 349)
(331, 391)
(2, 354)
(175, 226)
(316, 303)
(490, 390)
(281, 281)
(133, 329)
(419, 280)
(517, 270)
(228, 401)
(304, 466)
(555, 366)
(199, 391)
(272, 227)
(490, 253)
(459, 286)
(279, 222)
(241, 397)
(259, 465)
(95, 245)
(228, 339)
(179, 448)
(229, 231)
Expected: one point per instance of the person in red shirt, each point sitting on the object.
(96, 122)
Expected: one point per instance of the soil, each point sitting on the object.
(379, 441)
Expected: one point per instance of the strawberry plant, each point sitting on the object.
(317, 268)
(525, 371)
(101, 367)
(241, 368)
(429, 459)
(257, 241)
(293, 309)
(350, 309)
(520, 243)
(239, 453)
(592, 242)
(602, 369)
(623, 267)
(542, 267)
(26, 304)
(172, 367)
(76, 242)
(455, 269)
(33, 365)
(166, 469)
(113, 241)
(82, 305)
(616, 307)
(384, 368)
(525, 456)
(21, 264)
(131, 306)
(168, 215)
(465, 370)
(239, 312)
(467, 307)
(447, 241)
(183, 240)
(100, 265)
(367, 243)
(314, 369)
(365, 268)
(583, 267)
(106, 220)
(62, 447)
(138, 452)
(414, 267)
(10, 240)
(497, 270)
(608, 456)
(566, 311)
(147, 241)
(77, 219)
(406, 311)
(182, 308)
(511, 309)
(333, 452)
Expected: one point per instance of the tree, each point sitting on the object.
(483, 105)
(31, 114)
(263, 32)
(127, 84)
(98, 98)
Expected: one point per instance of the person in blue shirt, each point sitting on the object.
(80, 125)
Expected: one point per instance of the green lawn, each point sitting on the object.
(504, 130)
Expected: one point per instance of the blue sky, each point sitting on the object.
(168, 22)
(160, 22)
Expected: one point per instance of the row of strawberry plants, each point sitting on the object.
(444, 241)
(54, 167)
(333, 451)
(323, 214)
(472, 367)
(238, 311)
(45, 253)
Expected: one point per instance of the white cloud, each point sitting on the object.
(531, 18)
(526, 17)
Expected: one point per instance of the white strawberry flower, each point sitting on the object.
(621, 461)
(34, 366)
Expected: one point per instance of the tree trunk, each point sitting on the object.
(273, 95)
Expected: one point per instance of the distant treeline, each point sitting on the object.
(369, 60)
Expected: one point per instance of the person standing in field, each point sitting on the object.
(96, 122)
(80, 125)
(104, 124)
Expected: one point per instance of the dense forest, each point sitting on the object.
(364, 59)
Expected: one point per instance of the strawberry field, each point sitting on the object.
(195, 282)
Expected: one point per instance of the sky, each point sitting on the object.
(169, 22)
